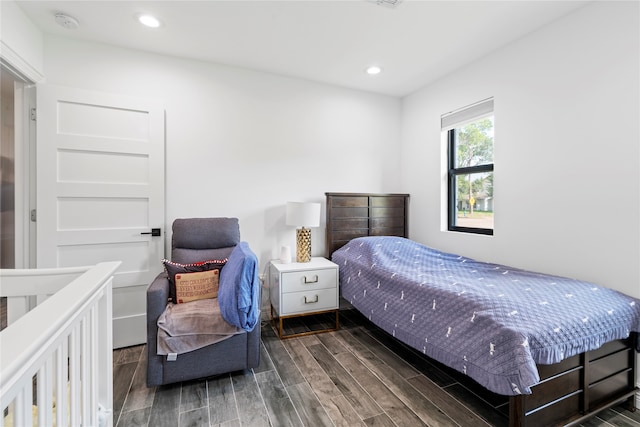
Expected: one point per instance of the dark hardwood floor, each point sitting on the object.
(356, 376)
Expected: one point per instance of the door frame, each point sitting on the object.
(26, 197)
(24, 100)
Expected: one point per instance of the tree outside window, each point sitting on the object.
(471, 166)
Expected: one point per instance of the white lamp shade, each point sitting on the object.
(303, 214)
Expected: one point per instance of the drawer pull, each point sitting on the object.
(310, 302)
(313, 280)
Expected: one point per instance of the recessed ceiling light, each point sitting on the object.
(149, 21)
(373, 70)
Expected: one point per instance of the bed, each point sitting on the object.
(504, 328)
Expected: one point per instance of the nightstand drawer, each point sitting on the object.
(309, 301)
(296, 281)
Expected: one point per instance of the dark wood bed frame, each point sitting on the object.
(569, 392)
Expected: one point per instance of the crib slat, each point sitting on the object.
(45, 389)
(61, 384)
(84, 372)
(41, 385)
(105, 354)
(22, 415)
(74, 376)
(93, 368)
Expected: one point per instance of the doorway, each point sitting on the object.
(16, 132)
(7, 171)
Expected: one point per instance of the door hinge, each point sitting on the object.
(33, 114)
(33, 215)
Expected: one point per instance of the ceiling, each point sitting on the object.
(415, 42)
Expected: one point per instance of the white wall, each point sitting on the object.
(567, 142)
(567, 149)
(242, 143)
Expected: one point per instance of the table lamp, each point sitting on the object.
(302, 214)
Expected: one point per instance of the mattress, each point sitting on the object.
(491, 322)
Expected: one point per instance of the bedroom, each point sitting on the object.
(566, 102)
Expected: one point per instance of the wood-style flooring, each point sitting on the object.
(356, 376)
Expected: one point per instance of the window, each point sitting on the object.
(469, 134)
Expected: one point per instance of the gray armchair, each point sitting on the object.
(195, 240)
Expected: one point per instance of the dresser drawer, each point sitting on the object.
(296, 281)
(309, 301)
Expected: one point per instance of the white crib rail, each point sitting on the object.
(65, 341)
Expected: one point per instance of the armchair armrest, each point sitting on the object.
(157, 298)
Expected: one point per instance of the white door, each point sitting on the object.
(100, 188)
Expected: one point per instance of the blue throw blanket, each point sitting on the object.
(239, 289)
(491, 322)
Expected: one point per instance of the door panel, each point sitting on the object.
(126, 303)
(100, 184)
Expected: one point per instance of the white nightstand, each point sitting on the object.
(302, 289)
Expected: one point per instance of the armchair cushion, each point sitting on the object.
(239, 289)
(175, 271)
(186, 327)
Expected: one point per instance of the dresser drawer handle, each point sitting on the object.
(310, 302)
(314, 279)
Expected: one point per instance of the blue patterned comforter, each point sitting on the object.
(491, 322)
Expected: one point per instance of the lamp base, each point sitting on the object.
(303, 245)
